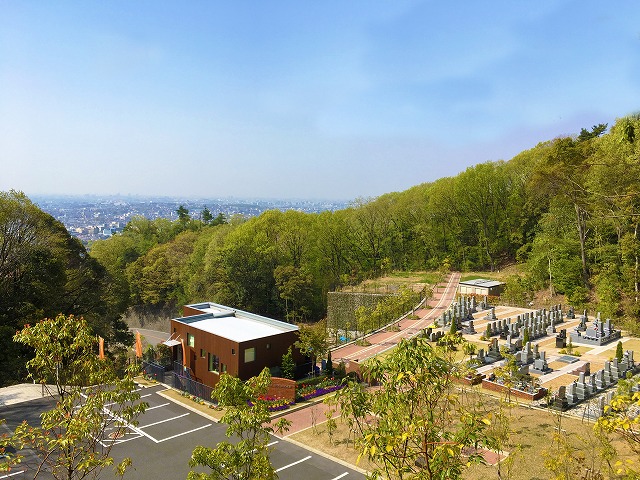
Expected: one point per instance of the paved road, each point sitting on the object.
(161, 444)
(382, 341)
(152, 337)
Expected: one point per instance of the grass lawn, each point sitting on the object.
(500, 275)
(394, 280)
(531, 441)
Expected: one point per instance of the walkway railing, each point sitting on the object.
(182, 381)
(154, 370)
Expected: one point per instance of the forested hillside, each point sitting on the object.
(44, 272)
(567, 210)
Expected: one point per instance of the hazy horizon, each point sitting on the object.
(293, 100)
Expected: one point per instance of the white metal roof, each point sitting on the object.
(233, 324)
(481, 282)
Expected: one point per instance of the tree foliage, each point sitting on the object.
(93, 406)
(288, 365)
(247, 417)
(415, 425)
(313, 341)
(44, 271)
(568, 208)
(621, 416)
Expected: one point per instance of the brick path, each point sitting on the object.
(306, 417)
(444, 295)
(382, 341)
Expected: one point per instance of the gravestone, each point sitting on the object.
(582, 326)
(481, 355)
(551, 328)
(526, 355)
(581, 387)
(608, 378)
(615, 369)
(595, 408)
(559, 400)
(540, 365)
(571, 395)
(469, 329)
(561, 339)
(494, 350)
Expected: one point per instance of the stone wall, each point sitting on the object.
(497, 387)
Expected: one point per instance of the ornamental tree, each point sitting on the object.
(93, 406)
(247, 417)
(312, 341)
(416, 424)
(288, 365)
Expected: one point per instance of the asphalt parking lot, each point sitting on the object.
(161, 444)
(14, 415)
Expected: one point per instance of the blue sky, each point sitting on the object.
(295, 99)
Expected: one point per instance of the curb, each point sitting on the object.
(344, 463)
(185, 405)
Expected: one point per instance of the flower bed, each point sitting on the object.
(327, 385)
(275, 404)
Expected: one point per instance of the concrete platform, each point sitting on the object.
(23, 393)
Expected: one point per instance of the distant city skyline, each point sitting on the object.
(93, 217)
(298, 100)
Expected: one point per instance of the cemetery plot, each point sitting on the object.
(539, 350)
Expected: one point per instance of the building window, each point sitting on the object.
(223, 368)
(203, 353)
(233, 351)
(249, 354)
(191, 341)
(213, 363)
(268, 346)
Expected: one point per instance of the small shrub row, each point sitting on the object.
(308, 391)
(275, 404)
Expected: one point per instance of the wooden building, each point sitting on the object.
(217, 339)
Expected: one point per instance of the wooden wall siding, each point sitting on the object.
(267, 357)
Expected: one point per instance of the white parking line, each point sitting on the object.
(157, 406)
(180, 434)
(141, 396)
(294, 463)
(124, 423)
(340, 476)
(138, 430)
(12, 474)
(165, 420)
(272, 443)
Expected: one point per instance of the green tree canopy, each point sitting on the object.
(415, 425)
(247, 417)
(72, 441)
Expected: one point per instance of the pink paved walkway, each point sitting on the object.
(444, 295)
(442, 298)
(307, 417)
